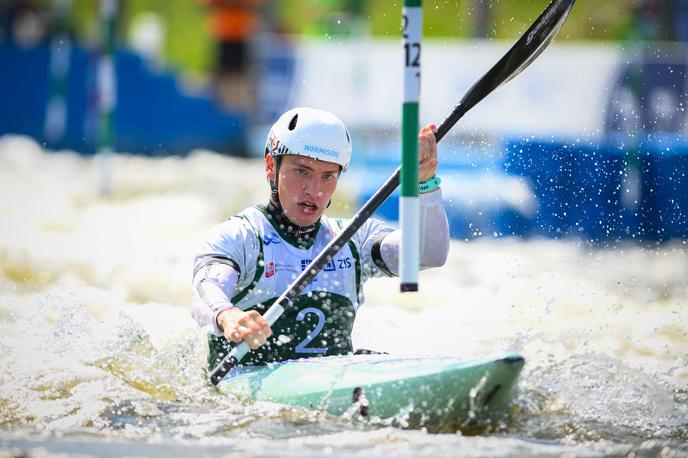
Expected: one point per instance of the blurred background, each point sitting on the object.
(591, 142)
(130, 128)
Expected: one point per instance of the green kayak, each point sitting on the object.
(429, 392)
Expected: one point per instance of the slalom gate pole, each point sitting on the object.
(55, 122)
(409, 256)
(107, 95)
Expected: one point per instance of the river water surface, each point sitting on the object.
(100, 357)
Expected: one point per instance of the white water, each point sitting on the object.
(99, 354)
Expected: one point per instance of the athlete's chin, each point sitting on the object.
(303, 219)
(305, 222)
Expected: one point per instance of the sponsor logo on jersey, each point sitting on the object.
(271, 238)
(344, 263)
(333, 265)
(286, 267)
(304, 265)
(269, 269)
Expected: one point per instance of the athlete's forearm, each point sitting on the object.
(434, 235)
(213, 286)
(434, 230)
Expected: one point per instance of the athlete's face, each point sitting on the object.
(305, 186)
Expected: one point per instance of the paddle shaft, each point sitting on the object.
(526, 49)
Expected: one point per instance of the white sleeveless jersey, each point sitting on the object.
(269, 260)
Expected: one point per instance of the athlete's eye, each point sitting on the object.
(301, 171)
(328, 177)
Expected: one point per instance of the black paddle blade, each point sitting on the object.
(521, 54)
(536, 39)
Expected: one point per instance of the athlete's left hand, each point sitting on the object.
(427, 153)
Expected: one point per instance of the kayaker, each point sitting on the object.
(246, 262)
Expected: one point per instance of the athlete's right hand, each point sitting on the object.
(239, 326)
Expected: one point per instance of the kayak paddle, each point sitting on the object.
(526, 49)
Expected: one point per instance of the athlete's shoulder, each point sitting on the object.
(331, 224)
(370, 230)
(250, 214)
(369, 226)
(239, 228)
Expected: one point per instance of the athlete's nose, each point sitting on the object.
(312, 188)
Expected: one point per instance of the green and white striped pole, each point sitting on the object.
(107, 95)
(60, 56)
(409, 258)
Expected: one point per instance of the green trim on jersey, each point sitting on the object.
(357, 265)
(318, 324)
(357, 260)
(302, 244)
(260, 267)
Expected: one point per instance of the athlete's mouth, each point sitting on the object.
(308, 207)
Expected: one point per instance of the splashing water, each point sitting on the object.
(100, 356)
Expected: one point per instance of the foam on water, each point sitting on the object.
(98, 349)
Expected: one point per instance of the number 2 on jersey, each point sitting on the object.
(302, 347)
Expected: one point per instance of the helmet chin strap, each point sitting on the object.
(274, 194)
(274, 190)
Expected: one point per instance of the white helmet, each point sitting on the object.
(310, 132)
